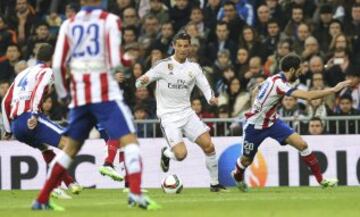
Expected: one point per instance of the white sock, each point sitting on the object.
(305, 152)
(212, 166)
(170, 154)
(63, 159)
(132, 158)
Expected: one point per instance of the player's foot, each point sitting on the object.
(127, 190)
(240, 184)
(143, 202)
(328, 183)
(46, 206)
(165, 161)
(75, 188)
(59, 193)
(218, 188)
(108, 170)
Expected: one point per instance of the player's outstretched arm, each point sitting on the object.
(143, 81)
(316, 94)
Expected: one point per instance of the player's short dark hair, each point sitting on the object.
(45, 53)
(346, 97)
(230, 3)
(290, 61)
(182, 36)
(273, 21)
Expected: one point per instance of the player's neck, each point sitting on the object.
(180, 60)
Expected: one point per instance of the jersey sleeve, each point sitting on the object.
(283, 88)
(43, 82)
(6, 108)
(153, 74)
(203, 84)
(113, 41)
(60, 59)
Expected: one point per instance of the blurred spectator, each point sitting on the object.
(317, 107)
(272, 38)
(71, 9)
(316, 126)
(197, 17)
(311, 48)
(308, 7)
(243, 9)
(47, 108)
(345, 109)
(248, 79)
(276, 12)
(42, 35)
(222, 84)
(335, 28)
(197, 106)
(4, 86)
(129, 36)
(131, 18)
(143, 130)
(272, 64)
(235, 23)
(180, 14)
(337, 66)
(251, 41)
(222, 128)
(210, 13)
(242, 61)
(222, 42)
(197, 53)
(290, 108)
(236, 98)
(120, 6)
(165, 39)
(159, 10)
(222, 63)
(353, 30)
(156, 54)
(321, 30)
(13, 54)
(143, 97)
(263, 17)
(303, 32)
(7, 37)
(150, 31)
(340, 41)
(297, 16)
(20, 66)
(317, 83)
(354, 89)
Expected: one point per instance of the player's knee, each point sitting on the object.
(246, 161)
(209, 148)
(180, 154)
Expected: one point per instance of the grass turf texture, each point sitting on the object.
(274, 202)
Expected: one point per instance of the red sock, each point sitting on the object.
(55, 175)
(112, 149)
(134, 181)
(122, 161)
(67, 178)
(48, 155)
(312, 162)
(239, 174)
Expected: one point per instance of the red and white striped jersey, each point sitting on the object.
(26, 92)
(263, 112)
(88, 46)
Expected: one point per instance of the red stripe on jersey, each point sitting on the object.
(29, 107)
(118, 21)
(275, 78)
(7, 102)
(104, 87)
(63, 65)
(280, 92)
(107, 41)
(268, 115)
(103, 15)
(87, 83)
(249, 114)
(74, 92)
(14, 114)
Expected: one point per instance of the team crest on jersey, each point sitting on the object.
(170, 66)
(191, 75)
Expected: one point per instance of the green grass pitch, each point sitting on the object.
(269, 202)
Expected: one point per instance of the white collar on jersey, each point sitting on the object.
(177, 62)
(91, 8)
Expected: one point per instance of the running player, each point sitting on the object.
(23, 118)
(262, 120)
(89, 45)
(176, 77)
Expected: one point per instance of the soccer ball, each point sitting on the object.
(171, 184)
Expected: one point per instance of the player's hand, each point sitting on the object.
(142, 81)
(341, 85)
(32, 122)
(120, 77)
(213, 101)
(6, 136)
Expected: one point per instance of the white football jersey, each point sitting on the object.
(174, 84)
(263, 112)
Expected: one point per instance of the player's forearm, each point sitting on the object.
(317, 94)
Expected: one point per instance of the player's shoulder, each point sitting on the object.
(162, 62)
(194, 66)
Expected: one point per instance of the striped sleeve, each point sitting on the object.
(6, 108)
(60, 60)
(113, 41)
(43, 81)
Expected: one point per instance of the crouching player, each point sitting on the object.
(23, 118)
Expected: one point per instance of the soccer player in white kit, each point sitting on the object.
(262, 120)
(176, 77)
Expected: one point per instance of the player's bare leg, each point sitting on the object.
(238, 174)
(57, 169)
(178, 152)
(205, 143)
(133, 165)
(310, 159)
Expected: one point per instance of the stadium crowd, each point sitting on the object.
(238, 43)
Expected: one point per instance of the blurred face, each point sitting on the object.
(273, 29)
(21, 6)
(297, 15)
(3, 88)
(181, 4)
(315, 127)
(318, 81)
(137, 70)
(42, 32)
(142, 93)
(248, 35)
(289, 102)
(242, 56)
(235, 86)
(20, 66)
(311, 46)
(345, 105)
(123, 3)
(47, 104)
(316, 65)
(155, 5)
(223, 59)
(12, 53)
(326, 18)
(151, 26)
(192, 30)
(214, 3)
(340, 42)
(355, 80)
(182, 49)
(69, 12)
(229, 12)
(355, 13)
(140, 114)
(263, 13)
(196, 106)
(156, 55)
(271, 3)
(2, 24)
(283, 49)
(222, 32)
(255, 65)
(316, 102)
(196, 16)
(130, 16)
(167, 30)
(303, 32)
(223, 115)
(229, 74)
(334, 29)
(129, 36)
